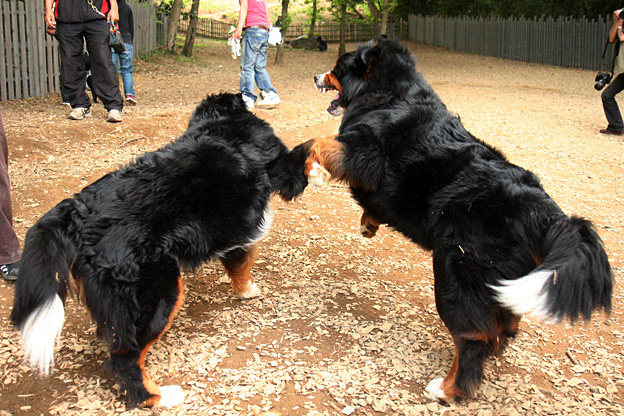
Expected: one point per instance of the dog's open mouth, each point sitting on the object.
(328, 82)
(334, 107)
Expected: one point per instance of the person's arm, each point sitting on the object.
(616, 28)
(50, 20)
(242, 17)
(113, 14)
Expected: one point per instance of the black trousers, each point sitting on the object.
(611, 109)
(72, 38)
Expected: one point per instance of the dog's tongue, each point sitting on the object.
(334, 107)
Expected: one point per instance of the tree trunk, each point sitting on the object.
(385, 11)
(311, 37)
(342, 49)
(192, 27)
(279, 56)
(172, 31)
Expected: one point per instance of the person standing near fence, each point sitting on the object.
(610, 106)
(9, 245)
(123, 60)
(86, 21)
(254, 19)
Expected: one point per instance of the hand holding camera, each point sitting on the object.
(602, 79)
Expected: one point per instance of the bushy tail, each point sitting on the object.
(43, 282)
(574, 279)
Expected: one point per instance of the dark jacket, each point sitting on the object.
(74, 11)
(126, 21)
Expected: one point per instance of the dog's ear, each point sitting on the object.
(369, 56)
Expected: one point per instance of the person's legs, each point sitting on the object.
(611, 109)
(71, 46)
(262, 78)
(126, 70)
(105, 80)
(9, 244)
(249, 51)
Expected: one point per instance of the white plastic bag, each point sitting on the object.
(235, 47)
(275, 36)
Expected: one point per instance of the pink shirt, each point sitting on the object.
(257, 13)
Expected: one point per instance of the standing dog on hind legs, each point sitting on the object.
(125, 238)
(501, 246)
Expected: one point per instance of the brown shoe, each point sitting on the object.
(612, 132)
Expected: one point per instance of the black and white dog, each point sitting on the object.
(120, 243)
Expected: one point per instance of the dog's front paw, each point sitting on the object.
(253, 291)
(318, 176)
(368, 230)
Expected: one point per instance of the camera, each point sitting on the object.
(602, 79)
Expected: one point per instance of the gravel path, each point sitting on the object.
(345, 325)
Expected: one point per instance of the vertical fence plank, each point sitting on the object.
(23, 52)
(38, 40)
(3, 53)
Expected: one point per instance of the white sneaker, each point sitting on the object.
(114, 116)
(79, 113)
(270, 99)
(249, 102)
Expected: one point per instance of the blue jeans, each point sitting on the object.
(123, 61)
(254, 51)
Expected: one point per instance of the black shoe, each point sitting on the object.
(10, 271)
(612, 132)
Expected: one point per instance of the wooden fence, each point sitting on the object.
(355, 32)
(564, 41)
(29, 58)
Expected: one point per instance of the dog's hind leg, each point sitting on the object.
(471, 349)
(159, 296)
(466, 373)
(476, 325)
(238, 264)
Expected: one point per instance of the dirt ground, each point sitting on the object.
(345, 325)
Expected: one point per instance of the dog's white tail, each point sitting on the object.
(527, 295)
(40, 332)
(574, 279)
